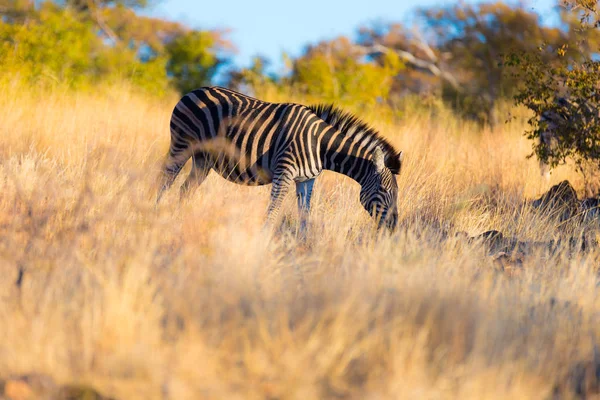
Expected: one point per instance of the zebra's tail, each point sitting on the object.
(173, 165)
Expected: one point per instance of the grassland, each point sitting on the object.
(194, 301)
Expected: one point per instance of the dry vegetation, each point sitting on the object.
(192, 300)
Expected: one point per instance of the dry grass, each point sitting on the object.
(192, 301)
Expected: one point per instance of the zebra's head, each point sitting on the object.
(379, 192)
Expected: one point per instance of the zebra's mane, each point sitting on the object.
(348, 124)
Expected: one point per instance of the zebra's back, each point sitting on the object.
(244, 137)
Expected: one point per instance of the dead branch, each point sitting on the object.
(96, 13)
(416, 62)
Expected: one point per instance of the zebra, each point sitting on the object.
(252, 142)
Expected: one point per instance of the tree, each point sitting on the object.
(253, 78)
(79, 42)
(55, 46)
(568, 98)
(16, 11)
(565, 98)
(192, 60)
(339, 71)
(478, 37)
(589, 11)
(424, 65)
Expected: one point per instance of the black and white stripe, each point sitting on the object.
(252, 142)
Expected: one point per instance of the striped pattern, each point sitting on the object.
(252, 142)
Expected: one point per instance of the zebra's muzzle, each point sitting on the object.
(390, 221)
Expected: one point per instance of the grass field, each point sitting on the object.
(193, 301)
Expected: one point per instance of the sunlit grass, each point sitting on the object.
(193, 300)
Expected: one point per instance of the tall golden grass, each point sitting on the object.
(193, 301)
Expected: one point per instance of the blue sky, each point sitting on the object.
(269, 27)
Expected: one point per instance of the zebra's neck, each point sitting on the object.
(348, 146)
(348, 154)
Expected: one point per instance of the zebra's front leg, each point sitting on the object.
(169, 173)
(200, 170)
(304, 193)
(281, 185)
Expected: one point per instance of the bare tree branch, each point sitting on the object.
(416, 62)
(424, 46)
(96, 12)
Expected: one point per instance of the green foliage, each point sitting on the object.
(56, 46)
(575, 121)
(122, 64)
(564, 97)
(15, 10)
(334, 72)
(85, 5)
(478, 37)
(138, 32)
(460, 60)
(192, 60)
(255, 77)
(81, 43)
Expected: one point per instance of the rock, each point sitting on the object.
(493, 241)
(590, 209)
(510, 265)
(496, 242)
(561, 200)
(491, 235)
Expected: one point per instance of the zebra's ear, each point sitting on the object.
(379, 159)
(400, 157)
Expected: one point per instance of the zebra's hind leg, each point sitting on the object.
(200, 170)
(304, 193)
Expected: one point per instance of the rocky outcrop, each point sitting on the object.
(509, 253)
(495, 242)
(561, 201)
(590, 209)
